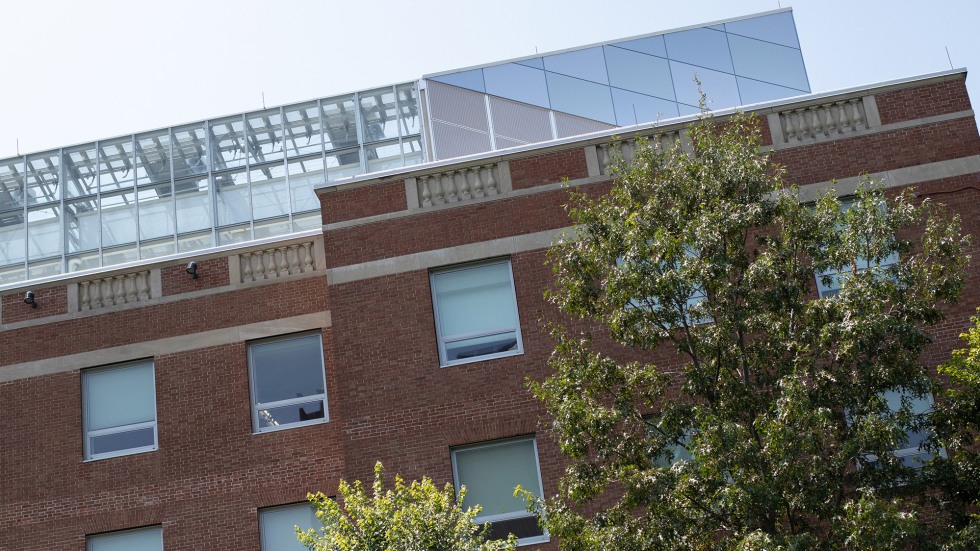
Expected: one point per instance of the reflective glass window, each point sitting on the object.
(142, 539)
(193, 205)
(580, 97)
(339, 121)
(228, 143)
(288, 382)
(588, 64)
(517, 82)
(277, 526)
(11, 190)
(653, 45)
(153, 157)
(756, 91)
(81, 171)
(721, 88)
(82, 224)
(155, 206)
(471, 80)
(379, 115)
(303, 134)
(343, 164)
(702, 47)
(43, 178)
(409, 122)
(118, 218)
(535, 62)
(232, 197)
(190, 151)
(639, 73)
(270, 194)
(633, 108)
(116, 164)
(119, 410)
(264, 136)
(43, 232)
(769, 62)
(778, 28)
(304, 174)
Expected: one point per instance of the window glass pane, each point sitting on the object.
(193, 205)
(303, 175)
(535, 62)
(264, 136)
(81, 170)
(190, 151)
(43, 232)
(721, 89)
(13, 242)
(234, 234)
(84, 261)
(462, 348)
(232, 194)
(379, 116)
(769, 62)
(778, 28)
(116, 164)
(412, 149)
(153, 157)
(194, 241)
(343, 164)
(44, 268)
(43, 184)
(633, 108)
(475, 300)
(639, 73)
(270, 227)
(82, 222)
(755, 91)
(490, 474)
(293, 413)
(125, 440)
(339, 118)
(118, 396)
(118, 219)
(305, 222)
(303, 133)
(129, 540)
(227, 143)
(471, 80)
(588, 64)
(582, 98)
(118, 255)
(408, 109)
(156, 211)
(11, 187)
(277, 526)
(653, 45)
(287, 369)
(270, 195)
(703, 47)
(161, 247)
(383, 156)
(517, 82)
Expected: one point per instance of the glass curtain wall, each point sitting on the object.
(206, 184)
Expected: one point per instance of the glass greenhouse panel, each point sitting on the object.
(82, 224)
(190, 151)
(116, 159)
(383, 156)
(409, 118)
(343, 164)
(636, 72)
(227, 143)
(153, 157)
(379, 114)
(119, 255)
(84, 261)
(157, 248)
(13, 244)
(304, 174)
(118, 219)
(232, 198)
(193, 206)
(11, 191)
(265, 141)
(194, 241)
(81, 171)
(43, 232)
(43, 178)
(270, 193)
(270, 227)
(303, 135)
(339, 122)
(156, 211)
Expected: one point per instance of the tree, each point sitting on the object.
(411, 517)
(735, 408)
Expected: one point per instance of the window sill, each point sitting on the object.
(290, 426)
(121, 453)
(465, 361)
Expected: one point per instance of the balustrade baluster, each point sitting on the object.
(491, 188)
(142, 286)
(424, 188)
(283, 265)
(857, 117)
(477, 184)
(307, 257)
(130, 284)
(85, 298)
(294, 259)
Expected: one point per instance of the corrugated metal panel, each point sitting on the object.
(570, 125)
(456, 141)
(457, 106)
(519, 121)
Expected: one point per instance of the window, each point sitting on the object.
(140, 539)
(476, 312)
(912, 454)
(696, 296)
(119, 410)
(490, 472)
(829, 282)
(277, 526)
(288, 383)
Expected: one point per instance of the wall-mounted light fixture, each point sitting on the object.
(29, 299)
(192, 269)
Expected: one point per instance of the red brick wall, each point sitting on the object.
(548, 168)
(364, 201)
(924, 101)
(212, 272)
(50, 301)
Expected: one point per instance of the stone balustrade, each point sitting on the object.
(459, 185)
(610, 152)
(114, 290)
(275, 262)
(831, 120)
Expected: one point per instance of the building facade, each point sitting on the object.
(163, 404)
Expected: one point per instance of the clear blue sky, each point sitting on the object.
(80, 71)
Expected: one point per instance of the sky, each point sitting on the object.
(75, 72)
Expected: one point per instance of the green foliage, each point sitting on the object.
(410, 517)
(774, 394)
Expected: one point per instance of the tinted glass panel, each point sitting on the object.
(130, 540)
(721, 88)
(639, 73)
(277, 526)
(490, 474)
(471, 80)
(517, 82)
(587, 64)
(769, 62)
(535, 62)
(633, 108)
(287, 369)
(119, 396)
(755, 91)
(703, 47)
(653, 45)
(778, 28)
(580, 97)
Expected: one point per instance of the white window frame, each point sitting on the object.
(264, 544)
(89, 434)
(258, 407)
(443, 339)
(482, 519)
(92, 540)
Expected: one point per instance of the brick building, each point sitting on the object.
(158, 403)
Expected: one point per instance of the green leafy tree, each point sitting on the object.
(728, 405)
(410, 517)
